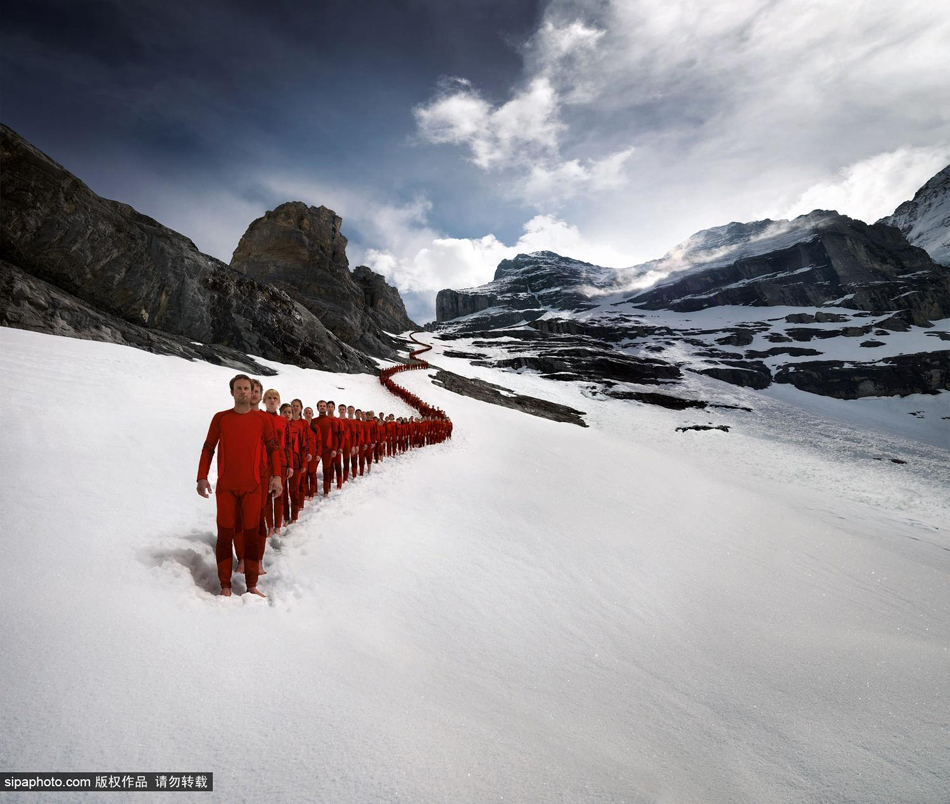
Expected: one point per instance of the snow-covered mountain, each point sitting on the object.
(925, 219)
(826, 303)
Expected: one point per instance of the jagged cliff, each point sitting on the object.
(301, 250)
(74, 263)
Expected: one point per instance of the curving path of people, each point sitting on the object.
(443, 428)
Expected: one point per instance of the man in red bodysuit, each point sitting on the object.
(343, 453)
(242, 435)
(274, 505)
(300, 433)
(356, 439)
(257, 391)
(366, 455)
(313, 448)
(292, 456)
(326, 425)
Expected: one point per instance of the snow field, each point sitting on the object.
(533, 611)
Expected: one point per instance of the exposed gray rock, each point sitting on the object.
(841, 260)
(528, 286)
(747, 375)
(925, 219)
(301, 250)
(498, 395)
(739, 337)
(921, 373)
(130, 268)
(27, 302)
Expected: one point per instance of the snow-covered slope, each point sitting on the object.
(532, 612)
(925, 219)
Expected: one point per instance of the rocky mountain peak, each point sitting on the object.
(301, 249)
(925, 219)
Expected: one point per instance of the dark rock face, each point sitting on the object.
(846, 261)
(748, 375)
(923, 373)
(925, 219)
(524, 288)
(383, 301)
(301, 250)
(497, 395)
(32, 304)
(587, 364)
(130, 269)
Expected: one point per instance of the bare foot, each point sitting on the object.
(255, 591)
(276, 532)
(262, 571)
(240, 567)
(226, 591)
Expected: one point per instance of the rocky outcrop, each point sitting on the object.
(27, 302)
(925, 219)
(300, 249)
(843, 261)
(383, 301)
(451, 304)
(497, 395)
(923, 373)
(524, 288)
(131, 270)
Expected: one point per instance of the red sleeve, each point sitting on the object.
(211, 443)
(272, 446)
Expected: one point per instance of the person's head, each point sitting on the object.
(359, 415)
(297, 407)
(271, 400)
(330, 407)
(351, 412)
(257, 391)
(286, 411)
(322, 407)
(308, 413)
(341, 410)
(241, 389)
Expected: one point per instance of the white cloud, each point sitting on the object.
(521, 129)
(467, 262)
(735, 108)
(872, 188)
(522, 136)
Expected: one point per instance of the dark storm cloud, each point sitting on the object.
(135, 96)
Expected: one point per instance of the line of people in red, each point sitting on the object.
(268, 461)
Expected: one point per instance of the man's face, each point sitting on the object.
(308, 414)
(242, 392)
(330, 408)
(271, 403)
(297, 408)
(322, 408)
(256, 390)
(351, 412)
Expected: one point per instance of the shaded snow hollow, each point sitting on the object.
(531, 612)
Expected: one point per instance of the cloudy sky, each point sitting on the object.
(451, 134)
